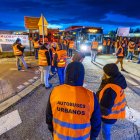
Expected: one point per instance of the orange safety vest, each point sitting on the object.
(36, 44)
(104, 43)
(72, 108)
(94, 45)
(71, 45)
(62, 57)
(65, 42)
(42, 58)
(139, 46)
(17, 52)
(122, 51)
(118, 110)
(108, 43)
(116, 44)
(131, 47)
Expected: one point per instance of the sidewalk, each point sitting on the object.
(13, 81)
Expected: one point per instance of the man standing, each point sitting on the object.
(71, 47)
(18, 52)
(73, 111)
(94, 50)
(36, 45)
(60, 61)
(120, 55)
(45, 65)
(131, 47)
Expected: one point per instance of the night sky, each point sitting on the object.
(108, 14)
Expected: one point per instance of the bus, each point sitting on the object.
(83, 36)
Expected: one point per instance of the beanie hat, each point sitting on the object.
(111, 69)
(18, 39)
(75, 74)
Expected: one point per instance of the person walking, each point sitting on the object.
(60, 61)
(131, 47)
(94, 50)
(18, 49)
(45, 65)
(104, 46)
(120, 56)
(73, 111)
(111, 98)
(108, 45)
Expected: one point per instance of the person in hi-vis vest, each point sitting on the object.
(94, 50)
(112, 99)
(18, 49)
(73, 112)
(36, 44)
(45, 65)
(60, 62)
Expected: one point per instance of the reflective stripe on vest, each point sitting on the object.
(42, 58)
(17, 52)
(118, 110)
(71, 44)
(62, 57)
(94, 45)
(71, 118)
(122, 51)
(36, 44)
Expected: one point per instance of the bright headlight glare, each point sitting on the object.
(83, 47)
(100, 47)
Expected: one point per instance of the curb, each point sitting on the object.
(13, 100)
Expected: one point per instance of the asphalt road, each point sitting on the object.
(32, 112)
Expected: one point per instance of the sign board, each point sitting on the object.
(41, 24)
(10, 39)
(31, 22)
(123, 31)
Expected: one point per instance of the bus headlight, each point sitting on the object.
(100, 47)
(83, 47)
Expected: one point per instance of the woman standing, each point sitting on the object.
(111, 98)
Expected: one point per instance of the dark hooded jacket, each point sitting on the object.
(76, 78)
(109, 96)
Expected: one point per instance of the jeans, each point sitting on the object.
(130, 55)
(139, 58)
(93, 55)
(70, 52)
(106, 131)
(45, 70)
(104, 50)
(53, 69)
(18, 59)
(36, 52)
(108, 49)
(60, 72)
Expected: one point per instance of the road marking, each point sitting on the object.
(84, 85)
(26, 83)
(20, 87)
(31, 80)
(9, 121)
(133, 116)
(35, 77)
(131, 82)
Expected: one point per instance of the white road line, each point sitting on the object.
(26, 83)
(131, 82)
(84, 85)
(133, 116)
(9, 121)
(20, 87)
(31, 80)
